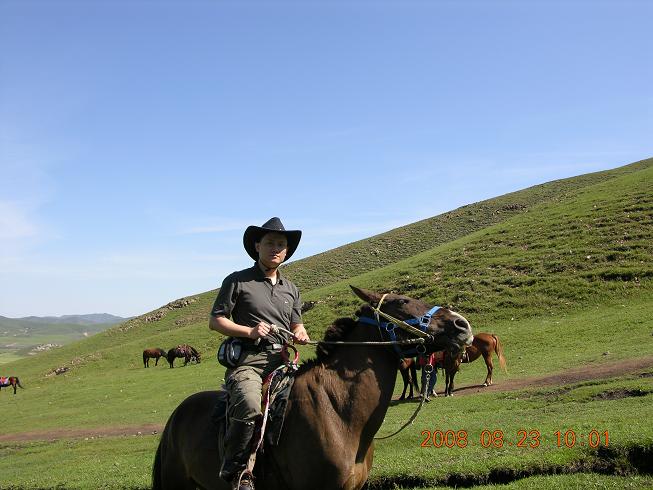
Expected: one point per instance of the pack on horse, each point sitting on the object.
(153, 353)
(336, 405)
(184, 351)
(484, 344)
(12, 381)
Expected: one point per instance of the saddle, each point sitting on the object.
(275, 391)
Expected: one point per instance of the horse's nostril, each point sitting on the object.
(461, 324)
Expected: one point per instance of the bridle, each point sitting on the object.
(417, 326)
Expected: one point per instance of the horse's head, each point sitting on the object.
(447, 329)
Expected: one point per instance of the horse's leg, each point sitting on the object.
(156, 362)
(414, 383)
(450, 373)
(13, 383)
(490, 367)
(360, 472)
(404, 377)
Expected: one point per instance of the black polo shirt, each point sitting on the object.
(248, 297)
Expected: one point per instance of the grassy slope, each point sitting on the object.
(594, 246)
(528, 279)
(387, 248)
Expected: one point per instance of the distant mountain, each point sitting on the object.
(96, 322)
(90, 319)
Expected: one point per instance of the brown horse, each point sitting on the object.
(12, 381)
(408, 371)
(336, 406)
(184, 351)
(484, 344)
(153, 353)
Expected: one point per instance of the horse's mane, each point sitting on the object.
(339, 330)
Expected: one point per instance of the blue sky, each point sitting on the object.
(138, 139)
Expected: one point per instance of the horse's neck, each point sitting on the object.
(359, 380)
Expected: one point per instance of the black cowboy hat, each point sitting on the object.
(254, 234)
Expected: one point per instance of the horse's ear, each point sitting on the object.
(366, 295)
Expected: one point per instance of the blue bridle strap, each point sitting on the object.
(421, 322)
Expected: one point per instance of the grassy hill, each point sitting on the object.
(563, 273)
(387, 248)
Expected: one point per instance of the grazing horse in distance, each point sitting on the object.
(327, 436)
(153, 353)
(12, 381)
(484, 344)
(185, 351)
(408, 371)
(194, 356)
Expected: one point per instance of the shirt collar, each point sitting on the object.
(260, 275)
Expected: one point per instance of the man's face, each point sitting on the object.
(272, 249)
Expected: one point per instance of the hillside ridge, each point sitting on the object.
(386, 248)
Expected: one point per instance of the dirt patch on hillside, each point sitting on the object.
(628, 366)
(574, 375)
(619, 394)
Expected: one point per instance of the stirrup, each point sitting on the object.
(244, 481)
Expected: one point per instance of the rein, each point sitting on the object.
(389, 327)
(419, 341)
(408, 326)
(425, 387)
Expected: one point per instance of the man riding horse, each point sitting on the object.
(249, 304)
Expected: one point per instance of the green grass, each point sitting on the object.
(579, 407)
(125, 462)
(99, 463)
(562, 273)
(576, 481)
(9, 355)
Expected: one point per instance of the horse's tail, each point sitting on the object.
(156, 468)
(498, 348)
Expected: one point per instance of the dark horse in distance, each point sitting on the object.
(184, 351)
(484, 344)
(12, 381)
(153, 353)
(336, 406)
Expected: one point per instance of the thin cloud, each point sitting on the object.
(14, 222)
(223, 227)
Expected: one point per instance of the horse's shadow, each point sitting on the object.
(458, 390)
(402, 402)
(417, 399)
